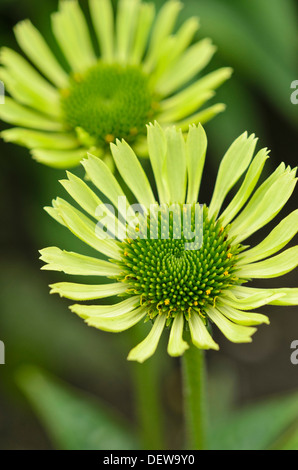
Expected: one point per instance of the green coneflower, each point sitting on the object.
(160, 279)
(129, 70)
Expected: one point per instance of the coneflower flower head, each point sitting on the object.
(180, 276)
(136, 70)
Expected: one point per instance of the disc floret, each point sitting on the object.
(109, 101)
(171, 279)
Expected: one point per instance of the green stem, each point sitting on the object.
(147, 399)
(195, 398)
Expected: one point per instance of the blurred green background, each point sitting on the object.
(259, 39)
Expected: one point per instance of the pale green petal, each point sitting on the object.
(103, 21)
(148, 346)
(127, 14)
(103, 179)
(74, 263)
(59, 158)
(242, 318)
(196, 147)
(144, 23)
(233, 165)
(290, 296)
(90, 202)
(177, 346)
(118, 323)
(173, 47)
(235, 333)
(71, 31)
(19, 115)
(29, 86)
(191, 62)
(201, 117)
(273, 267)
(114, 310)
(163, 27)
(175, 165)
(266, 203)
(86, 230)
(54, 213)
(199, 333)
(179, 113)
(209, 82)
(251, 301)
(281, 296)
(34, 45)
(81, 193)
(276, 240)
(74, 291)
(132, 172)
(43, 140)
(247, 187)
(157, 146)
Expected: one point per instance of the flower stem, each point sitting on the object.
(147, 400)
(195, 398)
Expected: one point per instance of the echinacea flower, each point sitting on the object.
(130, 69)
(159, 279)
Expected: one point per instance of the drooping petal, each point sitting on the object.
(235, 333)
(279, 237)
(132, 172)
(200, 335)
(34, 45)
(103, 20)
(148, 346)
(289, 297)
(73, 291)
(114, 310)
(242, 317)
(196, 147)
(273, 267)
(233, 165)
(74, 263)
(252, 300)
(286, 295)
(177, 346)
(118, 323)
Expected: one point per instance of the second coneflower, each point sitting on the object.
(135, 71)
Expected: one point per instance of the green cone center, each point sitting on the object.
(109, 101)
(171, 279)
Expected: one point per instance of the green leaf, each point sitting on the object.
(74, 421)
(256, 427)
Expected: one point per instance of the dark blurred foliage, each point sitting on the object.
(258, 38)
